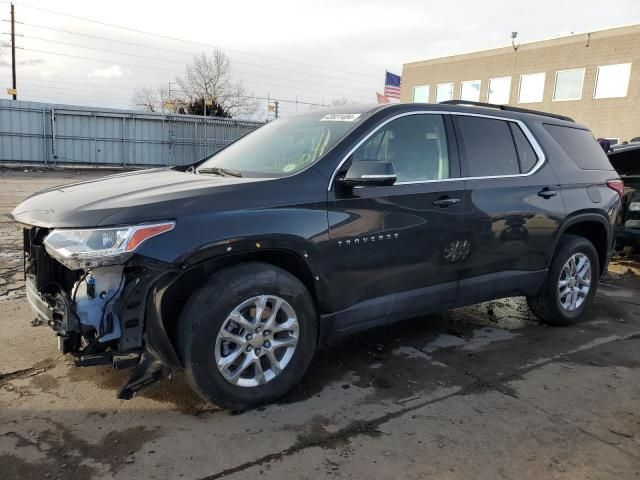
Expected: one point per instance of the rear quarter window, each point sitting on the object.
(580, 145)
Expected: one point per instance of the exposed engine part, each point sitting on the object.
(95, 296)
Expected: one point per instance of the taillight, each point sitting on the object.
(617, 185)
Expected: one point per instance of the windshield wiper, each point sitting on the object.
(219, 171)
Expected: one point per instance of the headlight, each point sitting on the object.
(634, 207)
(97, 247)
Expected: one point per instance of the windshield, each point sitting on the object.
(282, 147)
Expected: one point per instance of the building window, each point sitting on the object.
(444, 92)
(568, 85)
(421, 94)
(531, 88)
(612, 81)
(499, 89)
(470, 90)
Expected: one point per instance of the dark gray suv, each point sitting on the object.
(236, 268)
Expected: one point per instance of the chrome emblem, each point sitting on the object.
(356, 241)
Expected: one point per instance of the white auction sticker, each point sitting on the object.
(340, 117)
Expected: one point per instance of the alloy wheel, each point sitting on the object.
(257, 341)
(575, 282)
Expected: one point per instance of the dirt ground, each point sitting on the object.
(483, 392)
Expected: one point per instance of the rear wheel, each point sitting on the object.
(247, 336)
(571, 283)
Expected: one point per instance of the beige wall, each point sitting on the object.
(611, 118)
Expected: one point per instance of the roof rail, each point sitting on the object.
(507, 108)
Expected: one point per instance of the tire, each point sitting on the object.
(202, 343)
(547, 305)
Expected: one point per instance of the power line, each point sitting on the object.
(57, 89)
(177, 39)
(68, 44)
(103, 61)
(96, 59)
(57, 84)
(182, 52)
(162, 60)
(97, 91)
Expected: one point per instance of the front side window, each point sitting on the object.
(531, 88)
(612, 81)
(499, 90)
(470, 90)
(421, 94)
(415, 144)
(568, 85)
(489, 147)
(285, 146)
(444, 92)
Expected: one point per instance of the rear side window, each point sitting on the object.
(580, 146)
(526, 155)
(489, 146)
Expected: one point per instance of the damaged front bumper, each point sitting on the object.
(104, 315)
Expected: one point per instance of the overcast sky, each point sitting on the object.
(313, 51)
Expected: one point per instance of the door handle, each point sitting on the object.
(547, 193)
(446, 202)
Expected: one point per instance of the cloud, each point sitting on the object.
(114, 71)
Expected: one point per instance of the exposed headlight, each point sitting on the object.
(95, 247)
(634, 207)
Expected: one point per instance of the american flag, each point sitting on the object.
(392, 85)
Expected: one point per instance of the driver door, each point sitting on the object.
(396, 250)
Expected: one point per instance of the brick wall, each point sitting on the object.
(610, 118)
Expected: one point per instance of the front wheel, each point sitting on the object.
(247, 336)
(571, 283)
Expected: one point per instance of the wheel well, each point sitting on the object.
(596, 233)
(180, 290)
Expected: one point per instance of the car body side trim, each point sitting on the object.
(530, 137)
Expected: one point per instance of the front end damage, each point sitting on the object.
(102, 314)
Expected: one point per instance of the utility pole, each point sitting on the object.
(13, 51)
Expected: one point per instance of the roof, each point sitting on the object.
(451, 106)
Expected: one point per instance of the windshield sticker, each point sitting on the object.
(340, 117)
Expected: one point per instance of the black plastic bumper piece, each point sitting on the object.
(148, 372)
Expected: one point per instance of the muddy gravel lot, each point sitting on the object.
(483, 392)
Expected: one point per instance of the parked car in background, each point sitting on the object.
(626, 160)
(236, 268)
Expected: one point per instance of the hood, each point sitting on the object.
(139, 196)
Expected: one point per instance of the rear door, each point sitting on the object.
(515, 206)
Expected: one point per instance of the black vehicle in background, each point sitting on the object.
(626, 160)
(238, 267)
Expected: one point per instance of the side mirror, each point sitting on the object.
(369, 173)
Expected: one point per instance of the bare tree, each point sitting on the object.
(344, 101)
(210, 78)
(151, 99)
(207, 85)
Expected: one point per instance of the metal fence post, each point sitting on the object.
(45, 150)
(124, 141)
(54, 151)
